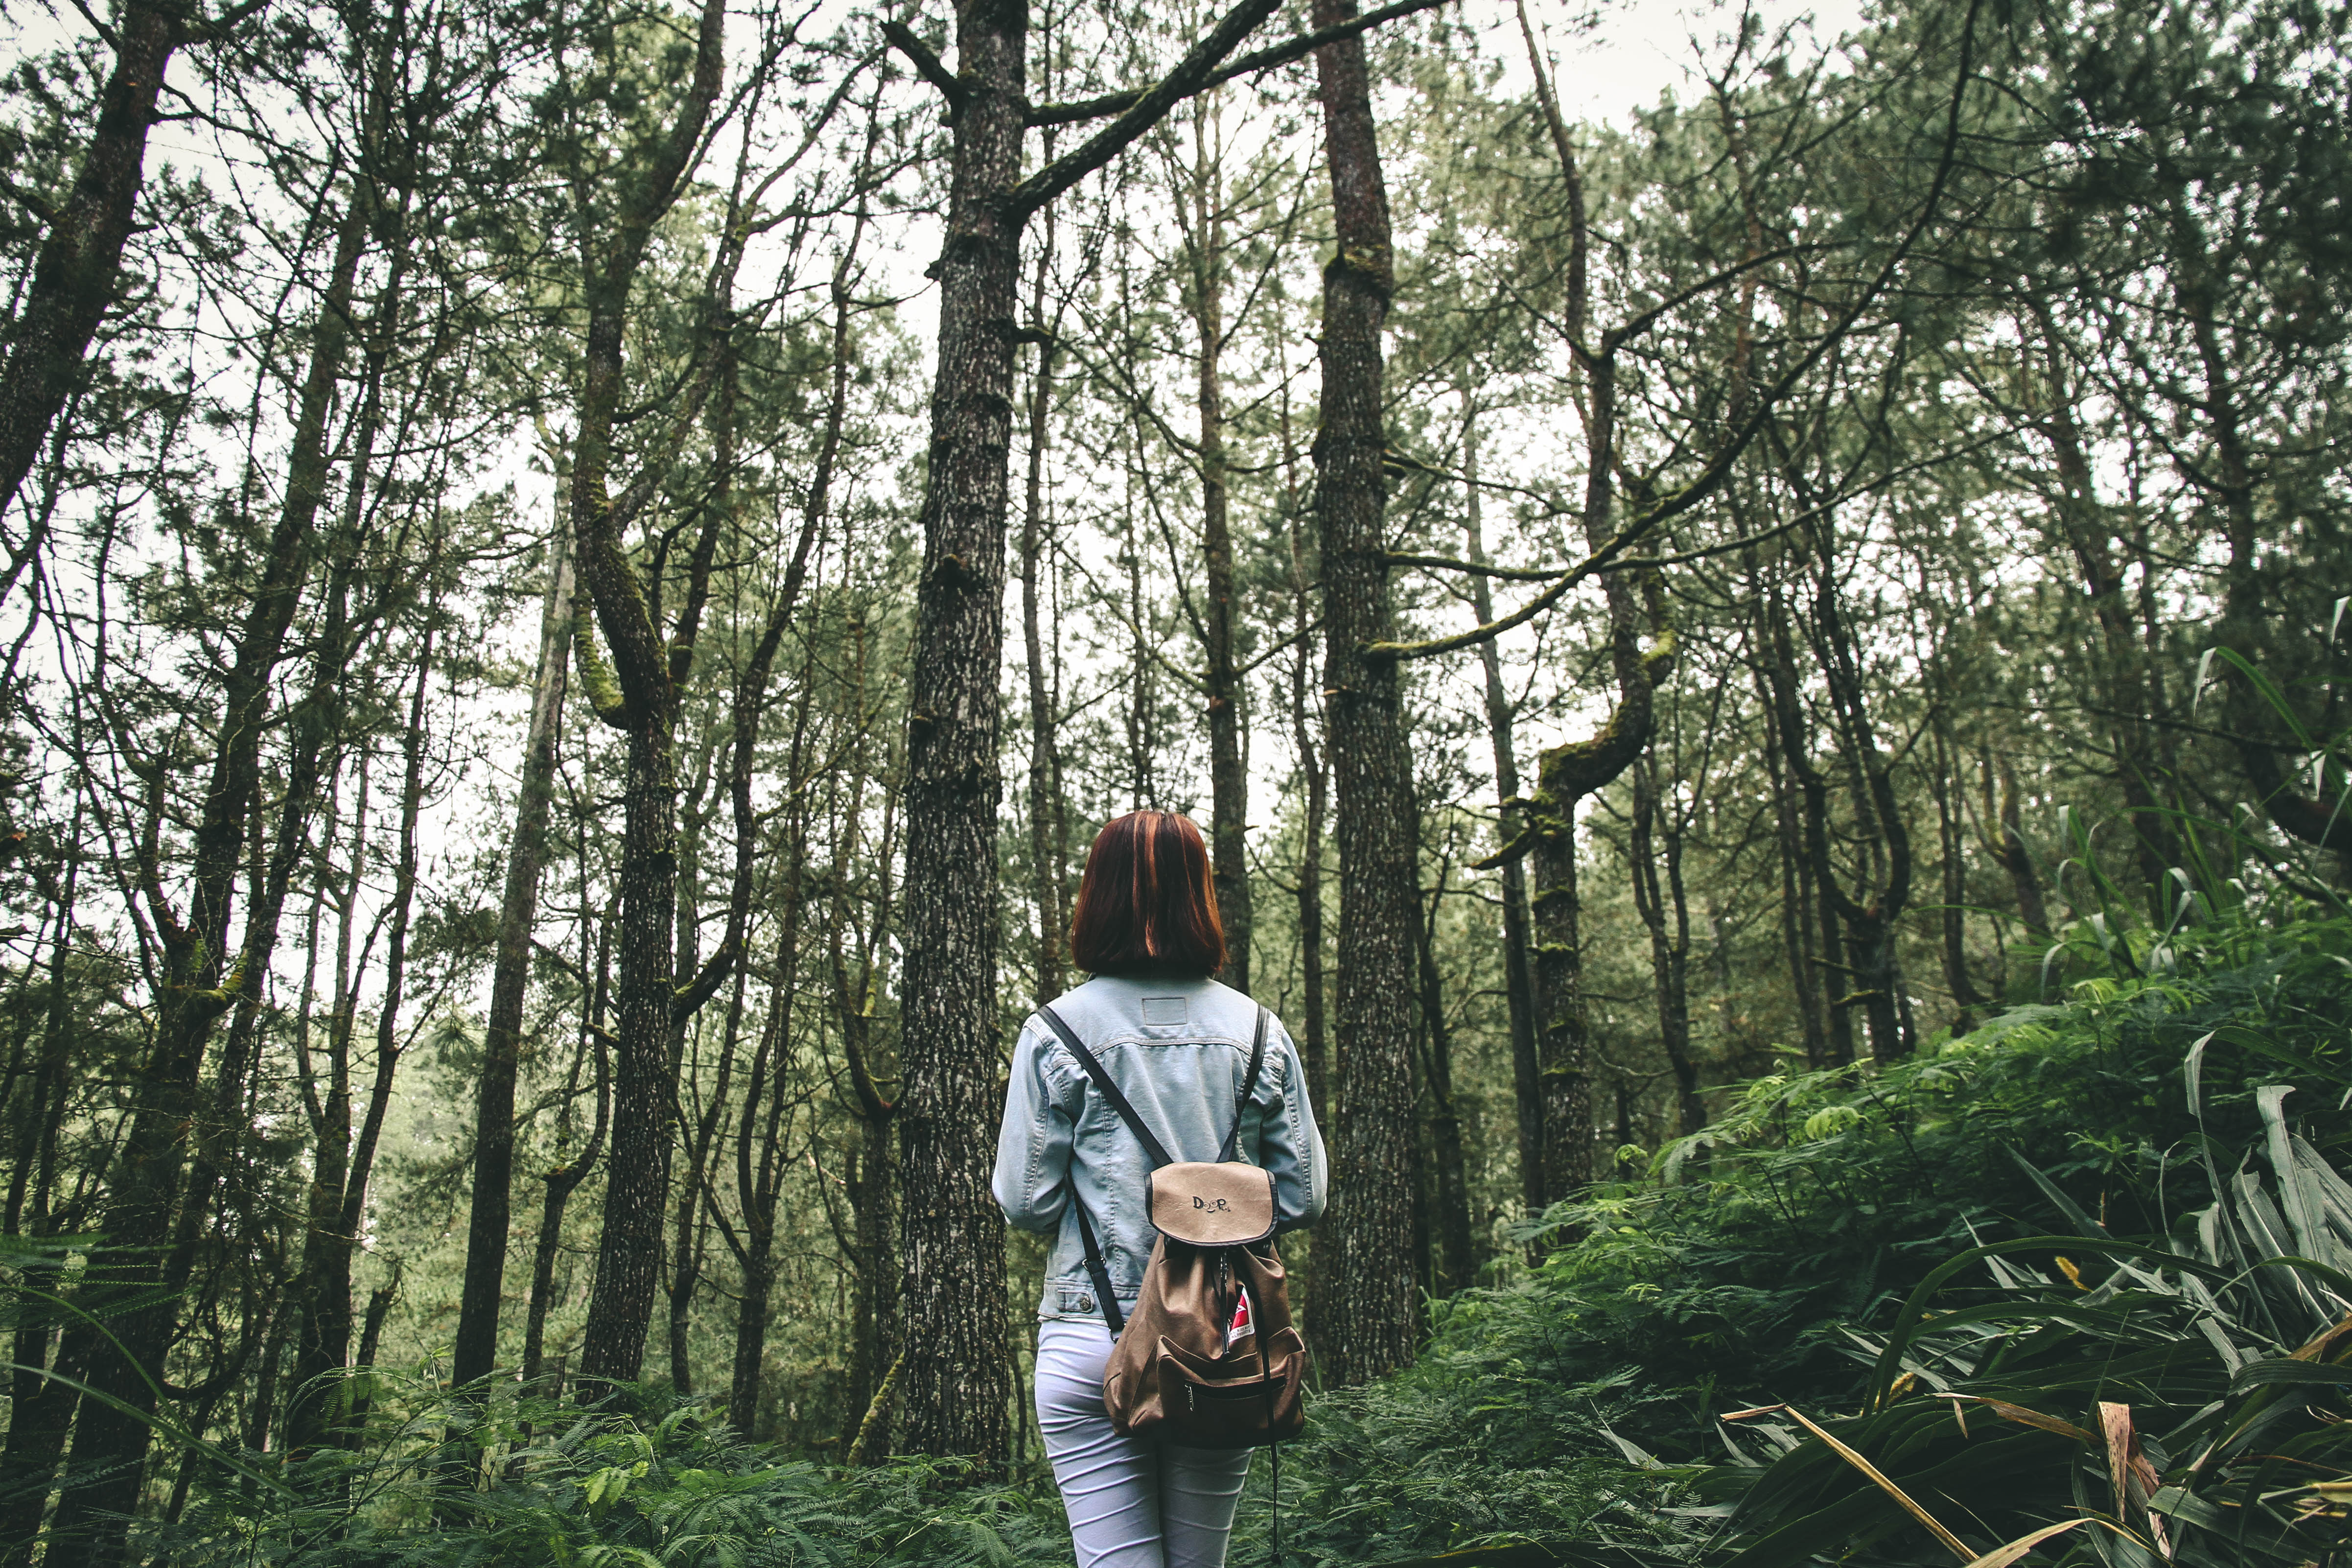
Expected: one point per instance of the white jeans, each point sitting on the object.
(1131, 1503)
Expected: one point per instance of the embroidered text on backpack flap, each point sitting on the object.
(1224, 1205)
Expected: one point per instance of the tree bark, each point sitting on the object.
(957, 1380)
(2009, 849)
(873, 1164)
(1945, 781)
(1797, 929)
(1877, 972)
(759, 1162)
(1566, 773)
(687, 1247)
(2119, 661)
(40, 1406)
(560, 1183)
(640, 694)
(1368, 1318)
(1873, 974)
(1569, 771)
(1313, 1048)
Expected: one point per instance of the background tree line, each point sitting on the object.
(545, 765)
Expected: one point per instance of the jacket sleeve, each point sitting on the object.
(1290, 1146)
(1032, 1147)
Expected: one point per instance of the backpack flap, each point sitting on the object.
(1205, 1204)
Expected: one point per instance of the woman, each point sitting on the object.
(1177, 1044)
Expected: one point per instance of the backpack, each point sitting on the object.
(1209, 1359)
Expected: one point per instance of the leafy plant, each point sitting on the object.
(2191, 1404)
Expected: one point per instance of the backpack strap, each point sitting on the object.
(1249, 1085)
(1087, 1059)
(1097, 1268)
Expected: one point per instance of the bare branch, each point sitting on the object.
(1280, 54)
(934, 70)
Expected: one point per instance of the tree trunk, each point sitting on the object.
(1873, 975)
(339, 1185)
(40, 1407)
(263, 1409)
(1664, 907)
(1566, 773)
(640, 694)
(1046, 864)
(1519, 981)
(686, 1248)
(958, 1378)
(1228, 770)
(1457, 1262)
(2121, 666)
(872, 1164)
(760, 1162)
(560, 1183)
(111, 1436)
(1369, 1320)
(485, 1238)
(2009, 849)
(1945, 781)
(1796, 885)
(1314, 1050)
(1877, 972)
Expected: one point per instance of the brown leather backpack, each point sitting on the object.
(1173, 1374)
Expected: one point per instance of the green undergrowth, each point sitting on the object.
(665, 1489)
(2023, 1219)
(2110, 1226)
(1823, 1198)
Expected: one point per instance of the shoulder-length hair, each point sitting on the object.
(1146, 905)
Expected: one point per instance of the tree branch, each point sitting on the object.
(1191, 76)
(597, 682)
(1280, 54)
(932, 69)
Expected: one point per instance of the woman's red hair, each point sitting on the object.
(1146, 905)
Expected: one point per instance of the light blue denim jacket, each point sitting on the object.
(1178, 1049)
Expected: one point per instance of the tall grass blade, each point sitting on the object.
(2002, 1556)
(1878, 1479)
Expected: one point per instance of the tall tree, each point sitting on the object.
(345, 1156)
(1367, 1315)
(202, 972)
(1518, 976)
(958, 1383)
(641, 689)
(476, 1350)
(1222, 694)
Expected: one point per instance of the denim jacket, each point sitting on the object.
(1178, 1050)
